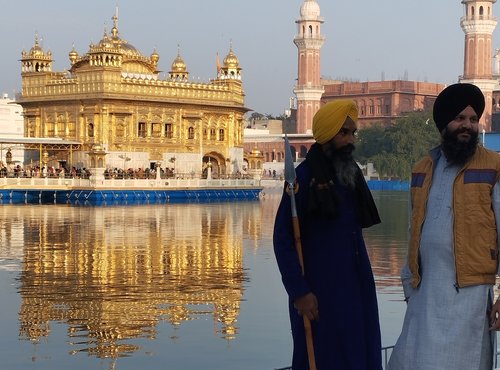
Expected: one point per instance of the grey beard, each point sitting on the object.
(345, 171)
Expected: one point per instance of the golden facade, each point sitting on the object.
(112, 98)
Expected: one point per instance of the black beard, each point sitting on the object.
(344, 166)
(456, 151)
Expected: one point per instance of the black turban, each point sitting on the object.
(454, 99)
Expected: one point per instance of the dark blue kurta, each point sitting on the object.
(338, 272)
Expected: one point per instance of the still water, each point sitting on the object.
(169, 286)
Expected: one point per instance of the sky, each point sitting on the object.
(366, 40)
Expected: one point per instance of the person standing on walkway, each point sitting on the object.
(452, 261)
(337, 291)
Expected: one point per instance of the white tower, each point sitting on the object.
(309, 42)
(478, 25)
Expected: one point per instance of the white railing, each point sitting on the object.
(69, 183)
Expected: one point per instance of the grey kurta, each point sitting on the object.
(444, 327)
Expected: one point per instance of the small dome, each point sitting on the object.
(73, 55)
(155, 57)
(231, 60)
(309, 10)
(105, 42)
(256, 152)
(178, 64)
(36, 50)
(97, 148)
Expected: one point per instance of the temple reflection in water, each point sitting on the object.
(114, 273)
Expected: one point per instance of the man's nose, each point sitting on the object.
(467, 123)
(351, 137)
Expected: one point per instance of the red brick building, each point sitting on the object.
(384, 101)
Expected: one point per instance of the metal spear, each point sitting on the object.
(290, 178)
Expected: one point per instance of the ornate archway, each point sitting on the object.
(216, 161)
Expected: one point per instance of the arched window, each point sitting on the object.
(191, 133)
(169, 133)
(221, 134)
(90, 130)
(310, 31)
(142, 129)
(303, 151)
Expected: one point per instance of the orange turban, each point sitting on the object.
(330, 118)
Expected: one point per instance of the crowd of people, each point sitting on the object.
(44, 171)
(109, 173)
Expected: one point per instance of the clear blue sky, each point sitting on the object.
(365, 39)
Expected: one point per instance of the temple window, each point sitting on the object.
(221, 134)
(71, 129)
(50, 129)
(191, 133)
(169, 134)
(142, 131)
(90, 130)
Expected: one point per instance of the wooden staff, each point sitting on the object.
(290, 178)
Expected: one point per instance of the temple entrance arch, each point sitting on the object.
(216, 162)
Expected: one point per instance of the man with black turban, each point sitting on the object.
(337, 291)
(452, 261)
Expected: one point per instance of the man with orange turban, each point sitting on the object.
(337, 290)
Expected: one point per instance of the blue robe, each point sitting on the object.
(338, 272)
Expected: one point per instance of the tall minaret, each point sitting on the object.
(309, 42)
(478, 25)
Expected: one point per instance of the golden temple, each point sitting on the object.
(114, 102)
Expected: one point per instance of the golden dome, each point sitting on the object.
(36, 50)
(97, 147)
(155, 57)
(178, 64)
(127, 48)
(256, 152)
(73, 55)
(231, 60)
(114, 41)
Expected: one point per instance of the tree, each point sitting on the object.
(256, 115)
(394, 149)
